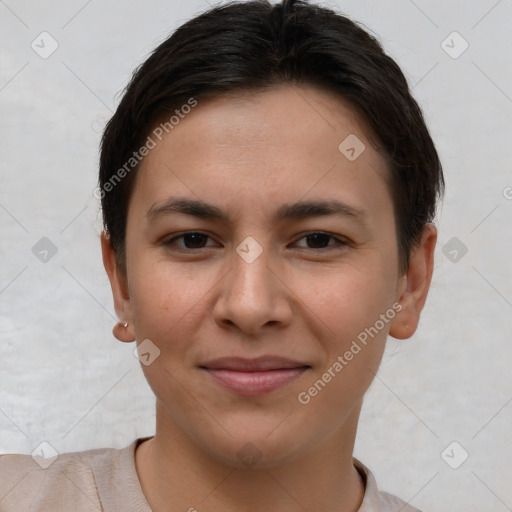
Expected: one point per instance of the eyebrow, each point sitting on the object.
(298, 210)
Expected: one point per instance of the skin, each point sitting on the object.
(249, 154)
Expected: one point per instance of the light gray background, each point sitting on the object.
(64, 379)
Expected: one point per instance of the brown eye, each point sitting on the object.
(318, 240)
(192, 240)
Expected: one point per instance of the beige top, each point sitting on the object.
(106, 480)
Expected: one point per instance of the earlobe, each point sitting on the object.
(123, 331)
(414, 285)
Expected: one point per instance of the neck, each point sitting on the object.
(172, 469)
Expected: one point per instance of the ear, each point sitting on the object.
(120, 293)
(414, 285)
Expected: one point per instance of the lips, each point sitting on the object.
(252, 377)
(260, 364)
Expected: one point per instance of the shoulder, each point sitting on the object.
(391, 503)
(376, 500)
(31, 484)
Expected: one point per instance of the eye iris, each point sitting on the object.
(195, 237)
(318, 237)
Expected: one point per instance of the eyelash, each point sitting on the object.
(341, 242)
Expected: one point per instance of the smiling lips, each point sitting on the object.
(252, 377)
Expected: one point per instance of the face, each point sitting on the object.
(250, 297)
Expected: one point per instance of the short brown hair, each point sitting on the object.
(254, 45)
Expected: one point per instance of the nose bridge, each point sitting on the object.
(250, 295)
(251, 278)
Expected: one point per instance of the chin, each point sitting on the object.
(255, 451)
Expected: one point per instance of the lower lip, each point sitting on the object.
(255, 383)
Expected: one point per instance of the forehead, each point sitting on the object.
(264, 149)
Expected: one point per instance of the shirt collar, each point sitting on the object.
(370, 503)
(371, 494)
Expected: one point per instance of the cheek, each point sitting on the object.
(164, 296)
(350, 313)
(356, 309)
(344, 300)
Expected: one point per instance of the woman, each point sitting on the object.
(268, 187)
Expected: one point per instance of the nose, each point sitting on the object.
(253, 295)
